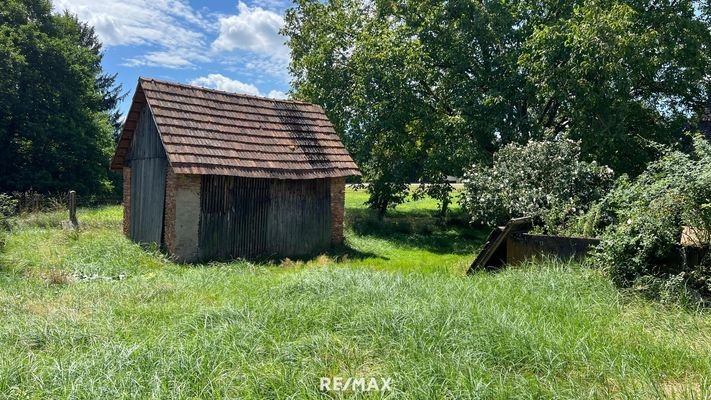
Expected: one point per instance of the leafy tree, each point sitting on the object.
(545, 180)
(424, 89)
(57, 107)
(619, 75)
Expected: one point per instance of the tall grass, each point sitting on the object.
(90, 315)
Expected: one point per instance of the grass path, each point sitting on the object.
(91, 315)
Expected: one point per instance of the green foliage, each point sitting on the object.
(422, 90)
(613, 75)
(385, 195)
(8, 207)
(545, 180)
(57, 106)
(641, 223)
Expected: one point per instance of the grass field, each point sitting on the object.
(91, 315)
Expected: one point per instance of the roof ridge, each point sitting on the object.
(231, 104)
(223, 92)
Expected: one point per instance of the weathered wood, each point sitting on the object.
(263, 218)
(522, 246)
(512, 244)
(148, 164)
(73, 209)
(493, 254)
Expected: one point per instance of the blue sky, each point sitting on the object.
(227, 45)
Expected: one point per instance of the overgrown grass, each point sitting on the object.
(89, 314)
(412, 238)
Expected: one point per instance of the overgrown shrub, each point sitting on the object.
(543, 179)
(31, 201)
(8, 207)
(641, 224)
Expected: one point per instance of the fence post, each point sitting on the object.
(73, 209)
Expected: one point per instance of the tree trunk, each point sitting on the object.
(443, 208)
(382, 210)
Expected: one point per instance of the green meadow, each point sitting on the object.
(88, 314)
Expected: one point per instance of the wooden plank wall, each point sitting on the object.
(148, 164)
(523, 246)
(263, 218)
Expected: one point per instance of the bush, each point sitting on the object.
(641, 224)
(542, 179)
(31, 201)
(8, 206)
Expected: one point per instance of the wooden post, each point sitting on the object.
(73, 209)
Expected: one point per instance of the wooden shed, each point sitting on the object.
(211, 175)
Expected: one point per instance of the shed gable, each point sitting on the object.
(208, 132)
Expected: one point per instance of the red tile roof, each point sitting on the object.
(209, 132)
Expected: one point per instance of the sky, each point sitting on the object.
(226, 45)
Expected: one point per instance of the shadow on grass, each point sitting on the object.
(341, 253)
(423, 229)
(346, 252)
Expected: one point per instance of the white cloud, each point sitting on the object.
(221, 82)
(170, 26)
(275, 4)
(174, 59)
(172, 34)
(253, 29)
(168, 23)
(277, 94)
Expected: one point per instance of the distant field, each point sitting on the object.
(91, 315)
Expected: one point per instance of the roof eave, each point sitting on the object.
(129, 126)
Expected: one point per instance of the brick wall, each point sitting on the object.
(127, 201)
(338, 202)
(169, 220)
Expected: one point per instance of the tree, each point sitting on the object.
(57, 107)
(620, 75)
(422, 90)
